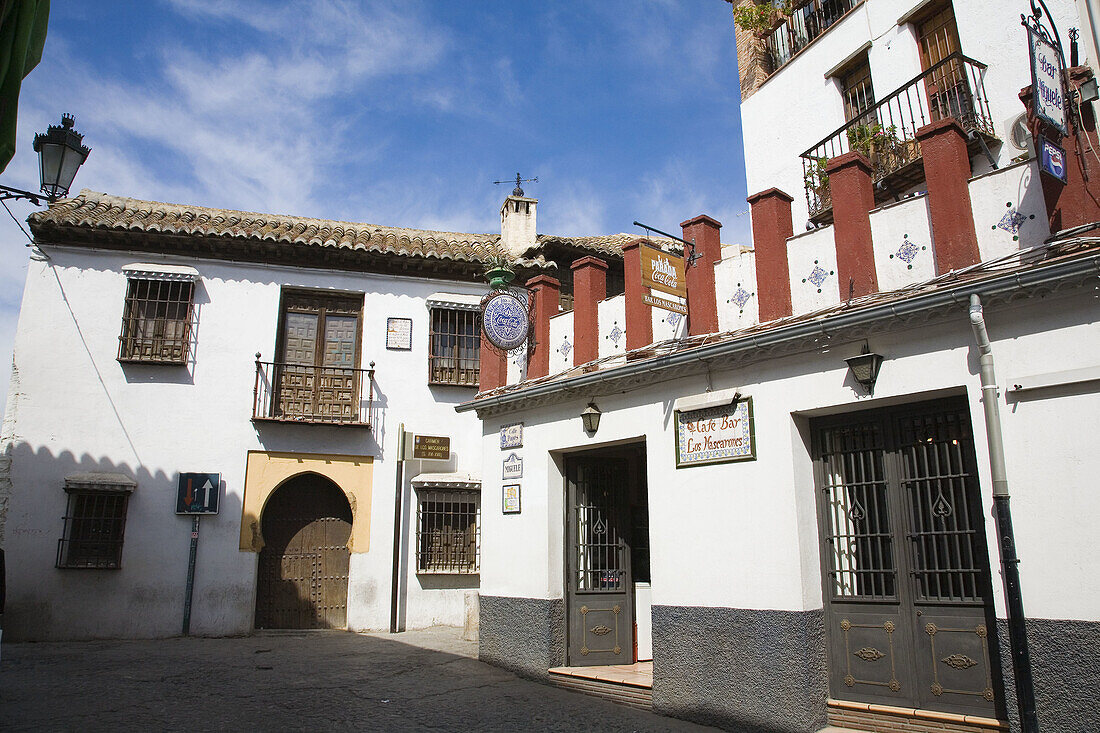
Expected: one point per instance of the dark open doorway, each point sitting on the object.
(607, 556)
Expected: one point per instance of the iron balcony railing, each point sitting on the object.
(299, 393)
(804, 25)
(886, 131)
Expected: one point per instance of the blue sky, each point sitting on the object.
(394, 112)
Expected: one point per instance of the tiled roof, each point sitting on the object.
(94, 211)
(100, 211)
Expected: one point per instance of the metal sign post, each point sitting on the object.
(196, 494)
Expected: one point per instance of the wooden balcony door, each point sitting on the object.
(948, 92)
(318, 355)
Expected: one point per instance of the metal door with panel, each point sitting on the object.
(599, 587)
(904, 560)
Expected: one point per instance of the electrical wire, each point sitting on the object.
(19, 224)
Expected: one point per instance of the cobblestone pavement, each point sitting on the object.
(284, 681)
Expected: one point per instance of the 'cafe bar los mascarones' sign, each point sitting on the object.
(716, 434)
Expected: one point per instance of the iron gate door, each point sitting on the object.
(600, 603)
(304, 564)
(904, 560)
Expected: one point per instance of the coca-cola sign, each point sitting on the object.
(663, 271)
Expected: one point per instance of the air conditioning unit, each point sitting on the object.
(1019, 135)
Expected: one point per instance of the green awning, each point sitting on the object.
(22, 36)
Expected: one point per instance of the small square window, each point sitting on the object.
(156, 321)
(94, 521)
(448, 532)
(454, 355)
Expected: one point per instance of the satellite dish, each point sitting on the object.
(1020, 135)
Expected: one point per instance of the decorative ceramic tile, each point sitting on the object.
(565, 348)
(740, 297)
(673, 319)
(908, 251)
(1012, 221)
(818, 276)
(616, 333)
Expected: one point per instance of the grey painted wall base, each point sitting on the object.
(524, 635)
(757, 671)
(1064, 666)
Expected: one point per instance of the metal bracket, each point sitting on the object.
(693, 256)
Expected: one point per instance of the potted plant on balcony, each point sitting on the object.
(816, 180)
(761, 19)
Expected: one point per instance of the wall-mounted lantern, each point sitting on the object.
(864, 368)
(61, 152)
(591, 418)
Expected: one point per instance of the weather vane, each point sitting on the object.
(518, 191)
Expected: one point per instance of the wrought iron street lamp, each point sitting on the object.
(61, 152)
(864, 368)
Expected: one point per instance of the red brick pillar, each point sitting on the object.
(947, 175)
(639, 316)
(589, 288)
(771, 228)
(493, 366)
(702, 301)
(853, 198)
(546, 292)
(1077, 201)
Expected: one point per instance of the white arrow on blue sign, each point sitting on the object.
(198, 493)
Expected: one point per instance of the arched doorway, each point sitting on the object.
(303, 566)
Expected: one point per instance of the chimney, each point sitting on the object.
(639, 316)
(702, 301)
(853, 199)
(589, 288)
(947, 175)
(517, 222)
(772, 226)
(545, 291)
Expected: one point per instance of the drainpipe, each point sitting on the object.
(1017, 630)
(396, 626)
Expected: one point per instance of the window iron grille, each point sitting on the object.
(93, 532)
(859, 540)
(448, 532)
(454, 355)
(156, 322)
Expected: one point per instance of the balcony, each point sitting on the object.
(802, 26)
(886, 132)
(297, 393)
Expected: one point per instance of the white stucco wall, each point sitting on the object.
(799, 91)
(612, 323)
(805, 253)
(562, 342)
(1014, 189)
(744, 535)
(731, 275)
(893, 225)
(78, 409)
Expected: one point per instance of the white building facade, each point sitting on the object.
(284, 355)
(794, 542)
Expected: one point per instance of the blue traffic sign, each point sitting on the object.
(198, 493)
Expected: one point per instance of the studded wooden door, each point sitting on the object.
(303, 566)
(600, 603)
(905, 562)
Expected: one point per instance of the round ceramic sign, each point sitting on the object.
(504, 319)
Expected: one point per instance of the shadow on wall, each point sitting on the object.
(144, 596)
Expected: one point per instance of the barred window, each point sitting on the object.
(454, 355)
(156, 322)
(94, 521)
(448, 531)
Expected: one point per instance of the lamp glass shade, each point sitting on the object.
(1090, 91)
(590, 417)
(60, 155)
(865, 368)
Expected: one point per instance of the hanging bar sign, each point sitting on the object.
(1046, 81)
